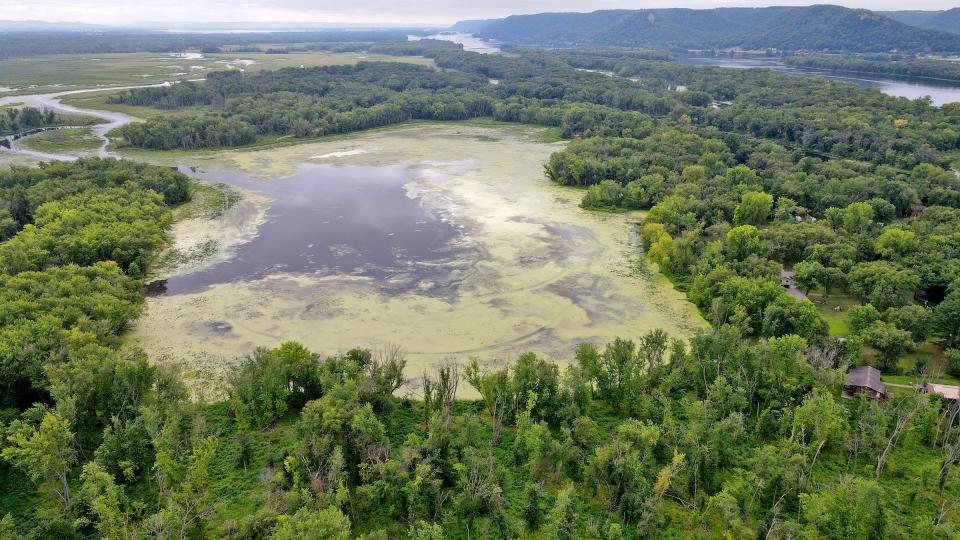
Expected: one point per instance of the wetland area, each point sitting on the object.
(398, 236)
(406, 235)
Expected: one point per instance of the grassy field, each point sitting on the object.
(70, 71)
(63, 140)
(828, 309)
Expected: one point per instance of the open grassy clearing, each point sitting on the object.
(837, 319)
(72, 71)
(73, 140)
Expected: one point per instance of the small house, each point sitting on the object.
(865, 381)
(917, 210)
(950, 393)
(786, 279)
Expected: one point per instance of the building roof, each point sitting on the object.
(948, 391)
(867, 377)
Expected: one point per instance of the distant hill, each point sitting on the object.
(44, 26)
(816, 28)
(835, 28)
(944, 21)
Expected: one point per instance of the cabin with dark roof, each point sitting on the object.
(865, 381)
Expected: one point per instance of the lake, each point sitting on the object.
(332, 220)
(908, 87)
(404, 236)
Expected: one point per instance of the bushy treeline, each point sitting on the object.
(819, 117)
(884, 65)
(76, 237)
(723, 437)
(18, 119)
(727, 215)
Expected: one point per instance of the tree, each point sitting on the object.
(45, 453)
(272, 381)
(850, 510)
(327, 524)
(946, 320)
(606, 194)
(857, 217)
(620, 471)
(807, 275)
(953, 362)
(754, 209)
(861, 317)
(830, 277)
(890, 341)
(741, 174)
(422, 530)
(789, 315)
(742, 242)
(494, 388)
(562, 519)
(533, 506)
(657, 243)
(107, 502)
(820, 422)
(617, 369)
(675, 212)
(186, 504)
(8, 530)
(895, 243)
(912, 318)
(883, 284)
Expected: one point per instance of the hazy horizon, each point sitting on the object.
(181, 13)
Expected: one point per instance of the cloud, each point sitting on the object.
(357, 11)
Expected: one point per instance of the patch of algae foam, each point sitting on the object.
(548, 275)
(204, 238)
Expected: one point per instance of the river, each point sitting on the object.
(940, 92)
(110, 119)
(470, 42)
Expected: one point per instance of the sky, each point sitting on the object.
(413, 12)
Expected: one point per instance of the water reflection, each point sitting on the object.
(469, 41)
(338, 220)
(940, 92)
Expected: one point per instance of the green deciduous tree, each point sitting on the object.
(742, 242)
(326, 524)
(883, 284)
(850, 510)
(895, 243)
(890, 341)
(946, 320)
(273, 381)
(45, 453)
(755, 209)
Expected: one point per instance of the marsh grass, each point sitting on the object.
(63, 141)
(51, 73)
